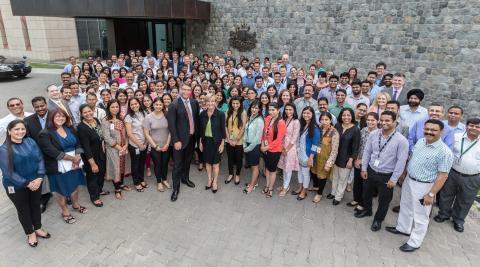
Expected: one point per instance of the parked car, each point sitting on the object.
(14, 67)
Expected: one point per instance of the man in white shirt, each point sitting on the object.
(463, 181)
(267, 80)
(92, 103)
(15, 106)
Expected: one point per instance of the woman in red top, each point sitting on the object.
(272, 138)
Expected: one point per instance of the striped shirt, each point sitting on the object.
(428, 160)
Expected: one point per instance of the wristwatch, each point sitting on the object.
(430, 194)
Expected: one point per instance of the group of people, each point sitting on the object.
(111, 120)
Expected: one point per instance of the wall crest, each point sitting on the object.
(242, 39)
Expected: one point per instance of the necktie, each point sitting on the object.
(60, 105)
(190, 117)
(395, 92)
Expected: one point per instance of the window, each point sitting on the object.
(26, 36)
(2, 32)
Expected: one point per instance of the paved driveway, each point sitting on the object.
(225, 229)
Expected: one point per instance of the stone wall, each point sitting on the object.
(434, 42)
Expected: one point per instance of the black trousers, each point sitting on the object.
(357, 187)
(377, 182)
(235, 159)
(95, 181)
(138, 164)
(160, 161)
(458, 195)
(27, 203)
(182, 159)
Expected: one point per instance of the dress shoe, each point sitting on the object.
(394, 230)
(214, 190)
(440, 219)
(407, 248)
(396, 209)
(33, 245)
(376, 226)
(335, 202)
(330, 196)
(363, 213)
(188, 183)
(174, 196)
(458, 227)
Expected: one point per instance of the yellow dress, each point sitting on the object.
(328, 153)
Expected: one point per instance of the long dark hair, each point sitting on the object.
(295, 116)
(109, 115)
(239, 111)
(8, 142)
(223, 97)
(311, 125)
(275, 123)
(255, 102)
(131, 112)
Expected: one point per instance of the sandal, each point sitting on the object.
(317, 198)
(81, 209)
(68, 219)
(265, 190)
(125, 187)
(118, 194)
(246, 191)
(160, 187)
(269, 194)
(145, 185)
(299, 198)
(166, 184)
(141, 189)
(105, 193)
(98, 204)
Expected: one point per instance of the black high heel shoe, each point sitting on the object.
(33, 245)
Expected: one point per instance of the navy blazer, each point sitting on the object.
(52, 149)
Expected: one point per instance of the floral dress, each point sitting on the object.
(289, 161)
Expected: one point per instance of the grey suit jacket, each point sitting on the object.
(402, 98)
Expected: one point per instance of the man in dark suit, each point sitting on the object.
(182, 119)
(397, 92)
(175, 64)
(35, 123)
(55, 100)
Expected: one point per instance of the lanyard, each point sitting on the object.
(384, 145)
(250, 123)
(270, 124)
(461, 149)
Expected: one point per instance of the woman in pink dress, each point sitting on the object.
(289, 159)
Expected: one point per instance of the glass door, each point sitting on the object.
(161, 36)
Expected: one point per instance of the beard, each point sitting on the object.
(413, 104)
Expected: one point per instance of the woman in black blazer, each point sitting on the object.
(58, 143)
(212, 136)
(91, 138)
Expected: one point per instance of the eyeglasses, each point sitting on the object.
(14, 105)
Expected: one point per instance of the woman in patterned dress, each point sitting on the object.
(325, 158)
(116, 148)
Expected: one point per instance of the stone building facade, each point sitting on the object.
(434, 42)
(40, 38)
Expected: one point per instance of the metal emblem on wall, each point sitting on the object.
(242, 39)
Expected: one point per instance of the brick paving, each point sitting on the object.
(224, 229)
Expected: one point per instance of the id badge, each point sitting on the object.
(265, 143)
(376, 163)
(232, 136)
(112, 126)
(137, 151)
(11, 190)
